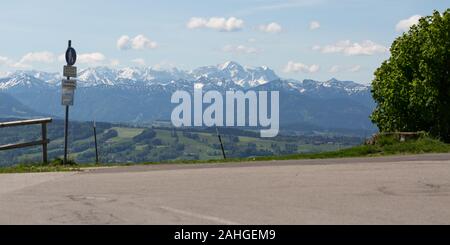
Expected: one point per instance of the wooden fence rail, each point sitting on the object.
(44, 141)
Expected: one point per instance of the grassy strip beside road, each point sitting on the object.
(385, 146)
(37, 168)
(54, 166)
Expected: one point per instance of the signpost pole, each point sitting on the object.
(68, 87)
(66, 134)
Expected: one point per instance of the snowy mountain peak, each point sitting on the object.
(97, 76)
(235, 73)
(22, 79)
(230, 65)
(129, 73)
(4, 74)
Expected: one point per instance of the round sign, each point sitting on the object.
(71, 56)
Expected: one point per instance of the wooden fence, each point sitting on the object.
(44, 141)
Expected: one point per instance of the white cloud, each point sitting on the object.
(270, 6)
(355, 68)
(139, 61)
(405, 24)
(335, 69)
(316, 47)
(251, 40)
(271, 28)
(4, 60)
(300, 67)
(216, 23)
(32, 57)
(142, 42)
(139, 42)
(338, 68)
(91, 58)
(346, 47)
(61, 57)
(48, 57)
(123, 43)
(114, 62)
(196, 22)
(41, 57)
(19, 65)
(240, 49)
(314, 25)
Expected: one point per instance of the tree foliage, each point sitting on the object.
(412, 88)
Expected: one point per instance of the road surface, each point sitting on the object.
(388, 190)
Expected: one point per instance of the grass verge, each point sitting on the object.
(37, 168)
(385, 146)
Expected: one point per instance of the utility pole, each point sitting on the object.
(96, 149)
(68, 90)
(221, 144)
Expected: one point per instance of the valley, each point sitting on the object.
(119, 143)
(135, 106)
(142, 95)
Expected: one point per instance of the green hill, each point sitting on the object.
(127, 144)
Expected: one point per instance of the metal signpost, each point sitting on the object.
(68, 89)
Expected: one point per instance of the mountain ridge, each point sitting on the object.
(230, 71)
(144, 94)
(10, 107)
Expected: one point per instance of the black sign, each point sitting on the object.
(71, 55)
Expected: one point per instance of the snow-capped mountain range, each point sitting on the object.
(143, 94)
(229, 73)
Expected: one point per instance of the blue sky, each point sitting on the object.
(318, 39)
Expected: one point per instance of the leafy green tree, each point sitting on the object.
(412, 88)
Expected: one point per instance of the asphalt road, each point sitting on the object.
(390, 190)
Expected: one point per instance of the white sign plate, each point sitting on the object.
(69, 83)
(70, 71)
(67, 96)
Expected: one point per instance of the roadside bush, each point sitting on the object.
(60, 162)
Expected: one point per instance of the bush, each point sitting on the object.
(156, 142)
(412, 87)
(112, 133)
(146, 135)
(60, 162)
